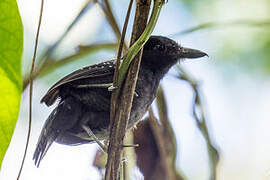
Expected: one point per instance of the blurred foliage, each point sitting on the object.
(250, 51)
(192, 4)
(208, 25)
(265, 52)
(51, 65)
(245, 47)
(239, 32)
(11, 38)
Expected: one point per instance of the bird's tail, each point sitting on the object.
(46, 138)
(62, 118)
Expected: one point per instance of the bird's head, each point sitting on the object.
(161, 53)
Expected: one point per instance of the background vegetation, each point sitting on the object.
(233, 82)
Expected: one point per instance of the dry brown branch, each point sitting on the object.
(147, 154)
(119, 121)
(156, 155)
(129, 155)
(162, 143)
(119, 54)
(114, 97)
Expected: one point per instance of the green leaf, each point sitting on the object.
(11, 46)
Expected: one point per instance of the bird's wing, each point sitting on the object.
(95, 76)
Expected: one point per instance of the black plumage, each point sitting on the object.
(85, 98)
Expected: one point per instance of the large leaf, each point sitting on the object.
(11, 45)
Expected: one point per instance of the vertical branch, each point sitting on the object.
(119, 54)
(161, 140)
(125, 174)
(197, 107)
(129, 155)
(120, 118)
(116, 72)
(164, 139)
(31, 88)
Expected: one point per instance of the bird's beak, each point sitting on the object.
(191, 53)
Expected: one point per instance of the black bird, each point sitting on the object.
(85, 98)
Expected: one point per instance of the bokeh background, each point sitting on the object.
(234, 81)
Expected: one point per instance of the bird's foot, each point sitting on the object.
(111, 88)
(90, 133)
(104, 147)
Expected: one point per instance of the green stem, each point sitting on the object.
(137, 46)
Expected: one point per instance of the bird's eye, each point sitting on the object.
(159, 47)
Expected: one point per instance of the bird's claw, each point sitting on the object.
(111, 88)
(136, 94)
(90, 133)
